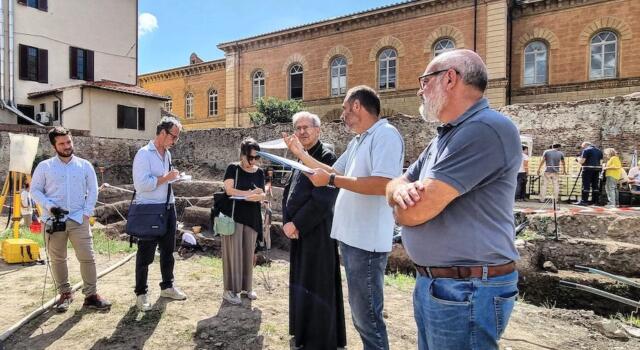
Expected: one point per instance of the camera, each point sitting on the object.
(56, 224)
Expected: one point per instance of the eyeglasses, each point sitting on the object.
(423, 80)
(174, 137)
(303, 128)
(252, 158)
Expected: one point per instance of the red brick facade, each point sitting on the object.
(411, 29)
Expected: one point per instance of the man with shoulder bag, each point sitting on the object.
(152, 213)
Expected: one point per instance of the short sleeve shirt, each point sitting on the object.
(364, 221)
(478, 154)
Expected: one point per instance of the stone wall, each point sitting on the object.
(612, 122)
(115, 155)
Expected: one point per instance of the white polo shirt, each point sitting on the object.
(365, 221)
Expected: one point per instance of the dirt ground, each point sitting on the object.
(205, 322)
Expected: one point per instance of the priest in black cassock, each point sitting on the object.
(316, 310)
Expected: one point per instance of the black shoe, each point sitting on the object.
(584, 204)
(97, 302)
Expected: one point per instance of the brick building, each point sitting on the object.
(535, 50)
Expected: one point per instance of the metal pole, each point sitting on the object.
(601, 293)
(555, 217)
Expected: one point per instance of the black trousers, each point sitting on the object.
(521, 188)
(146, 253)
(590, 182)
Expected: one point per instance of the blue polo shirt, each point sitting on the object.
(592, 157)
(479, 154)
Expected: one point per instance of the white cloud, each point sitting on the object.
(147, 23)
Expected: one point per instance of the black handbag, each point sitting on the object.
(148, 221)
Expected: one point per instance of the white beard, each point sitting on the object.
(432, 105)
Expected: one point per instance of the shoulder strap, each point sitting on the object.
(235, 184)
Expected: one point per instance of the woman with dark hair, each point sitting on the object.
(244, 179)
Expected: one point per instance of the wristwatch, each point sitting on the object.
(332, 179)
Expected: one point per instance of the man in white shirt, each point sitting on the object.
(152, 173)
(68, 183)
(363, 222)
(521, 189)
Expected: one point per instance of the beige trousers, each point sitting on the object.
(82, 242)
(555, 180)
(237, 258)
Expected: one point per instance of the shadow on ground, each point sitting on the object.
(234, 327)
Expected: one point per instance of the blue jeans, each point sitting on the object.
(463, 314)
(365, 279)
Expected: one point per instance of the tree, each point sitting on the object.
(272, 110)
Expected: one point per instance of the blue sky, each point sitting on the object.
(170, 30)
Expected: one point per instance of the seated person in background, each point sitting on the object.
(634, 180)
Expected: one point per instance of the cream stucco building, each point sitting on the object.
(74, 62)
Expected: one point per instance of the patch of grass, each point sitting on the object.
(633, 319)
(400, 281)
(548, 304)
(102, 244)
(210, 261)
(530, 235)
(269, 329)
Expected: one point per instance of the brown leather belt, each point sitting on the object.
(465, 272)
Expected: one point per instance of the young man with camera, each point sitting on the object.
(66, 187)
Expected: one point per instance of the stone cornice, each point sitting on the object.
(366, 19)
(533, 7)
(582, 86)
(184, 71)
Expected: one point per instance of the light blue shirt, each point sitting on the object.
(364, 221)
(72, 186)
(148, 165)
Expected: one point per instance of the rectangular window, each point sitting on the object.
(296, 86)
(80, 64)
(56, 110)
(36, 4)
(43, 107)
(130, 118)
(33, 63)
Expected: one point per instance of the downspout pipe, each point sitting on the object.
(475, 25)
(12, 76)
(2, 31)
(72, 106)
(510, 43)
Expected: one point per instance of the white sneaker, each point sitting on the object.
(231, 297)
(142, 302)
(252, 295)
(173, 293)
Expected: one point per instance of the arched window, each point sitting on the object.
(443, 45)
(535, 63)
(213, 102)
(168, 105)
(258, 85)
(387, 65)
(338, 76)
(604, 50)
(296, 80)
(188, 106)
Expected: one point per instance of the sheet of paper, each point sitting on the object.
(286, 162)
(182, 177)
(238, 198)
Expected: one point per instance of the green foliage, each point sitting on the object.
(272, 110)
(400, 281)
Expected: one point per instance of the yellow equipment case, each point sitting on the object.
(20, 250)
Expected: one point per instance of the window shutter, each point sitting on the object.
(22, 58)
(89, 66)
(42, 5)
(73, 62)
(120, 122)
(43, 66)
(140, 118)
